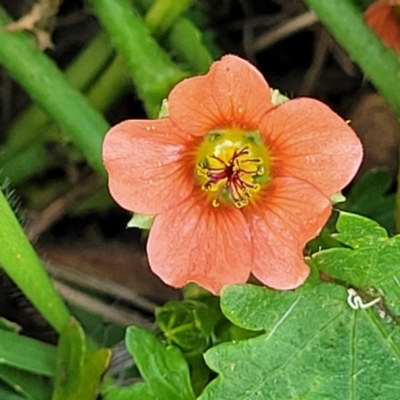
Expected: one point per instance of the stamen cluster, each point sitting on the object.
(235, 178)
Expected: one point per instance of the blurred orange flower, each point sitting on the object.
(238, 185)
(383, 17)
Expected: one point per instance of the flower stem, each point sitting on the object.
(109, 86)
(163, 13)
(153, 73)
(380, 64)
(24, 163)
(47, 86)
(25, 156)
(32, 124)
(185, 41)
(22, 265)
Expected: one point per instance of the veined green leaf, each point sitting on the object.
(371, 262)
(315, 347)
(368, 196)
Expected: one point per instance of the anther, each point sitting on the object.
(230, 177)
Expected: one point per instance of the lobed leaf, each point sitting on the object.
(369, 197)
(314, 347)
(371, 261)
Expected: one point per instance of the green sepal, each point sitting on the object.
(277, 98)
(141, 221)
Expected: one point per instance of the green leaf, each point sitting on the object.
(102, 333)
(7, 393)
(164, 370)
(195, 324)
(314, 347)
(27, 354)
(70, 358)
(357, 231)
(137, 391)
(369, 197)
(189, 323)
(30, 386)
(78, 371)
(370, 262)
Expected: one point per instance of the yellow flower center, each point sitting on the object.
(232, 166)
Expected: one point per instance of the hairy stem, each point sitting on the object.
(22, 265)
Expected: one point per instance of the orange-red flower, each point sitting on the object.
(383, 17)
(238, 184)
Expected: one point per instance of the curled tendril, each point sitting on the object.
(355, 301)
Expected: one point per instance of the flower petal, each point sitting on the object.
(233, 93)
(309, 141)
(382, 19)
(148, 165)
(289, 213)
(196, 242)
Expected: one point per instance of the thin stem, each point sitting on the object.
(185, 41)
(81, 73)
(380, 64)
(22, 162)
(163, 14)
(47, 86)
(153, 73)
(34, 125)
(284, 30)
